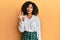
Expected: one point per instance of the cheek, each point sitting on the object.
(31, 9)
(27, 9)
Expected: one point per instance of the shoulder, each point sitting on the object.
(36, 18)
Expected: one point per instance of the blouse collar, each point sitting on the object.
(30, 18)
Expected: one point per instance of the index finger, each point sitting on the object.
(22, 12)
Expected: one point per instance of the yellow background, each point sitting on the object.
(49, 14)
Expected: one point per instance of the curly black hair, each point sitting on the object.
(26, 4)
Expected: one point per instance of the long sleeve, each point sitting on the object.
(38, 29)
(21, 26)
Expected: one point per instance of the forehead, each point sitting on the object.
(30, 5)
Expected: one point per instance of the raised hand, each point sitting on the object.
(21, 16)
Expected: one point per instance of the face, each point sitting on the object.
(29, 9)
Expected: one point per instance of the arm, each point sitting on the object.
(21, 26)
(38, 29)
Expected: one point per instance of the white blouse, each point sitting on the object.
(32, 24)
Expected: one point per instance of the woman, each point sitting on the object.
(29, 23)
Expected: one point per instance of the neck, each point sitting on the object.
(29, 15)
